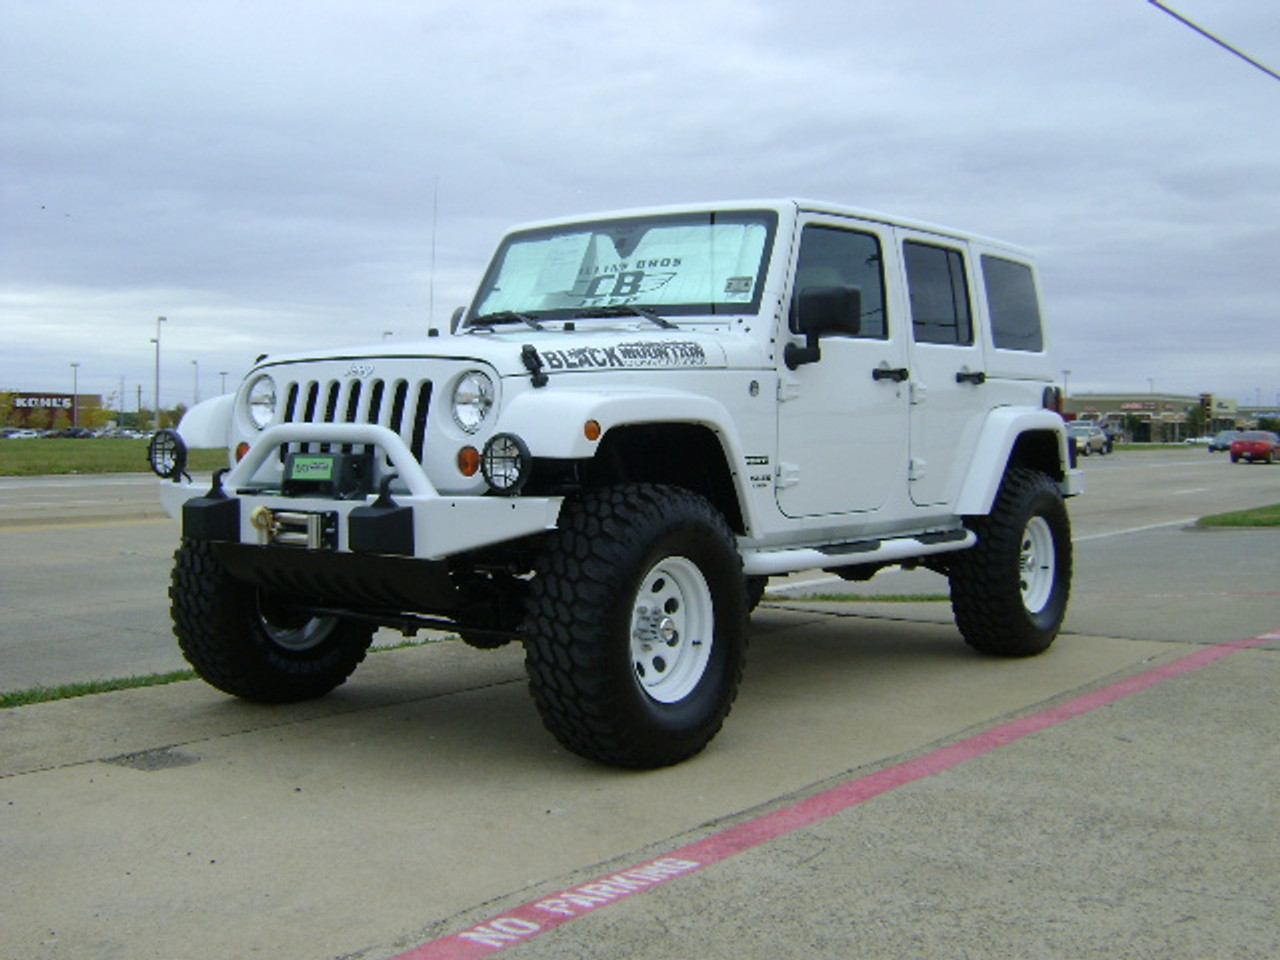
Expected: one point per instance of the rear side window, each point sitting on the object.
(1015, 311)
(939, 292)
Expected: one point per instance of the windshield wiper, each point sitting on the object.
(504, 316)
(627, 310)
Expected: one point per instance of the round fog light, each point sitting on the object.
(167, 454)
(506, 464)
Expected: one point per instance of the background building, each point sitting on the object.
(50, 411)
(1162, 417)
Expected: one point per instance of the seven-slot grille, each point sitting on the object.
(400, 405)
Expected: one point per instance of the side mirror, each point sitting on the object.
(822, 310)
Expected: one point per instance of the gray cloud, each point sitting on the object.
(274, 175)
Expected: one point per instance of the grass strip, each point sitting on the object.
(66, 691)
(1259, 517)
(30, 458)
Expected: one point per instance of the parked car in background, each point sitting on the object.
(1222, 440)
(1256, 446)
(1087, 437)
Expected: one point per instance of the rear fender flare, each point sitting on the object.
(994, 449)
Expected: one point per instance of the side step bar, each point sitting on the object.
(767, 563)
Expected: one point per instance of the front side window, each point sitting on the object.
(685, 264)
(939, 293)
(831, 257)
(1015, 309)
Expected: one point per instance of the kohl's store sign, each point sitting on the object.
(43, 401)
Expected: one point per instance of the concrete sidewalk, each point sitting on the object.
(423, 797)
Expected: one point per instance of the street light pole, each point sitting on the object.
(156, 341)
(75, 393)
(223, 375)
(195, 389)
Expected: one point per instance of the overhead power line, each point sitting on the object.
(1219, 41)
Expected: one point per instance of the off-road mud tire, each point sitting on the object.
(1009, 592)
(603, 693)
(251, 645)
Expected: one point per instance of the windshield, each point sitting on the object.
(679, 264)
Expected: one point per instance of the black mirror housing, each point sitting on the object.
(823, 310)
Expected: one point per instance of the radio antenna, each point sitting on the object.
(431, 282)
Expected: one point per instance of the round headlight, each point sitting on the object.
(506, 463)
(262, 402)
(472, 400)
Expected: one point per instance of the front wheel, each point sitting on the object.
(1009, 591)
(251, 644)
(636, 633)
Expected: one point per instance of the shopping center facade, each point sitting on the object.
(1165, 417)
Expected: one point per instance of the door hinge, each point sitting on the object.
(788, 475)
(917, 468)
(788, 390)
(919, 392)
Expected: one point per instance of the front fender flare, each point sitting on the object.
(207, 425)
(552, 424)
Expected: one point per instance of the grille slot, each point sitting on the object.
(400, 405)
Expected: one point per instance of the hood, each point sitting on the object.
(556, 350)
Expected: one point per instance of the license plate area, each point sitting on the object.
(301, 529)
(329, 474)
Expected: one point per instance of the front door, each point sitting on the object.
(842, 420)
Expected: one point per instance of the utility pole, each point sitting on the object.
(156, 341)
(75, 393)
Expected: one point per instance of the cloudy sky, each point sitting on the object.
(278, 173)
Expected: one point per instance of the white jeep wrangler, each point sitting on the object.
(640, 418)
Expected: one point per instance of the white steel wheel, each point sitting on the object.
(672, 626)
(1036, 576)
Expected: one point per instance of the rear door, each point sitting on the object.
(948, 372)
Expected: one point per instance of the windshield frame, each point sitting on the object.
(764, 217)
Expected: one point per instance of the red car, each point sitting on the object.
(1256, 446)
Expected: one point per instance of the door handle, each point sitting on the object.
(896, 374)
(965, 376)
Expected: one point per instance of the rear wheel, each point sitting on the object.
(1009, 592)
(252, 644)
(636, 634)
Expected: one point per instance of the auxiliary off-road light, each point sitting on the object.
(167, 454)
(506, 464)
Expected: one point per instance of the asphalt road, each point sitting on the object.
(84, 561)
(879, 791)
